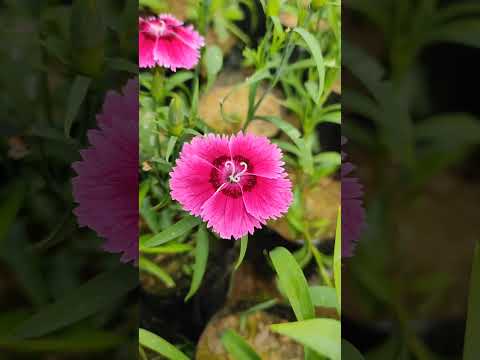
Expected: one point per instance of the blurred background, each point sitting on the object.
(57, 61)
(411, 114)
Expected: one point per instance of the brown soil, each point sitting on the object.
(268, 345)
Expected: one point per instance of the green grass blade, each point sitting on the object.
(178, 229)
(237, 347)
(201, 259)
(324, 296)
(293, 283)
(349, 352)
(323, 336)
(314, 46)
(160, 346)
(80, 303)
(150, 267)
(243, 251)
(337, 260)
(472, 345)
(10, 206)
(77, 94)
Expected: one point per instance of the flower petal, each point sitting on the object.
(228, 216)
(269, 198)
(190, 184)
(264, 156)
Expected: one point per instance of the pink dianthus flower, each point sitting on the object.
(235, 183)
(106, 187)
(164, 41)
(353, 213)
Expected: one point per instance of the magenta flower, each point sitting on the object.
(106, 187)
(235, 183)
(353, 213)
(165, 41)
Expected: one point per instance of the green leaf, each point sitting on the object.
(349, 352)
(152, 268)
(465, 31)
(337, 259)
(9, 207)
(77, 94)
(324, 296)
(124, 65)
(320, 335)
(80, 303)
(201, 259)
(177, 79)
(170, 146)
(291, 131)
(237, 347)
(314, 46)
(213, 59)
(82, 341)
(170, 248)
(449, 131)
(213, 62)
(176, 230)
(273, 7)
(243, 251)
(472, 345)
(293, 283)
(160, 346)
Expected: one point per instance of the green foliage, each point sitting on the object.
(159, 345)
(59, 61)
(237, 347)
(471, 347)
(92, 296)
(170, 117)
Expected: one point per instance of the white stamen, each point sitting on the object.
(236, 177)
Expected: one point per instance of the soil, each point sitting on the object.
(256, 331)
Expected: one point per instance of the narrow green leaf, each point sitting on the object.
(170, 146)
(201, 259)
(465, 31)
(80, 303)
(323, 336)
(160, 346)
(213, 62)
(213, 59)
(323, 296)
(10, 206)
(293, 283)
(178, 79)
(337, 259)
(170, 248)
(314, 46)
(75, 342)
(120, 64)
(243, 251)
(291, 131)
(178, 229)
(77, 94)
(152, 268)
(472, 345)
(349, 352)
(237, 347)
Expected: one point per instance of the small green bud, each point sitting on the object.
(176, 117)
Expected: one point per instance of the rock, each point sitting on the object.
(321, 207)
(235, 109)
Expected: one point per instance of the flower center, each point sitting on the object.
(157, 28)
(232, 176)
(235, 176)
